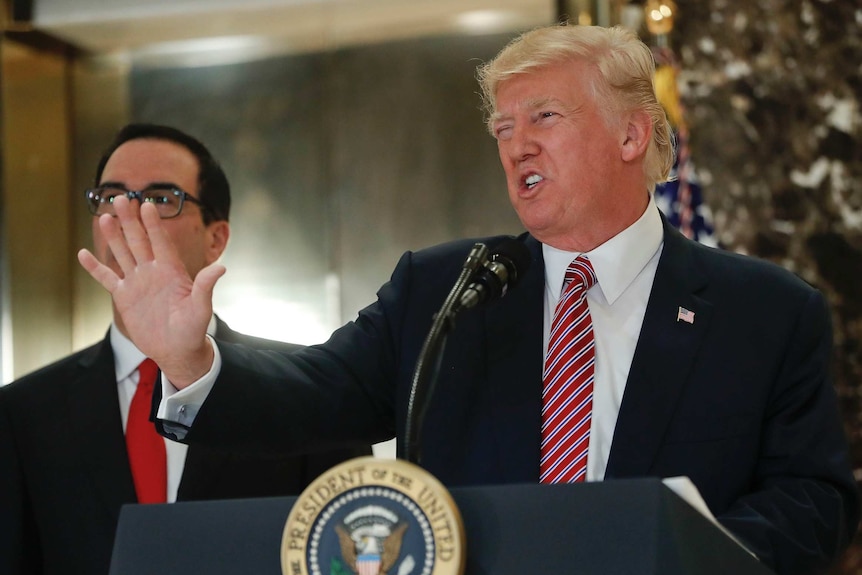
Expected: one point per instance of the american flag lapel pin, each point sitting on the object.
(685, 315)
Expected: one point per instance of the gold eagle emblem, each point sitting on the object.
(389, 548)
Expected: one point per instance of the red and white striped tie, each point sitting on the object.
(567, 397)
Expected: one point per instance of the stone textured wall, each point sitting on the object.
(772, 90)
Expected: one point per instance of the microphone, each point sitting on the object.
(506, 265)
(487, 278)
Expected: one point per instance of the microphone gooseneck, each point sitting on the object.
(481, 279)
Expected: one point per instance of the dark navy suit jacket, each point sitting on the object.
(739, 400)
(64, 472)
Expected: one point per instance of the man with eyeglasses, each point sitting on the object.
(65, 468)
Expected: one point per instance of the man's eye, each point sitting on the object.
(548, 114)
(159, 197)
(503, 132)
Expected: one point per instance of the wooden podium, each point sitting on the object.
(624, 527)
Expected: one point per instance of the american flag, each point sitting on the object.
(685, 315)
(680, 199)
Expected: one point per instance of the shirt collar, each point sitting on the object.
(617, 262)
(127, 357)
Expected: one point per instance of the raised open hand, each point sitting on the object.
(164, 310)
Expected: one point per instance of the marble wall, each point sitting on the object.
(772, 90)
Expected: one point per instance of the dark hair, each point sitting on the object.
(214, 189)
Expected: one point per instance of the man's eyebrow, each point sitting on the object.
(152, 185)
(498, 117)
(543, 102)
(531, 104)
(149, 186)
(112, 184)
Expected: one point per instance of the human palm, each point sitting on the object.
(164, 310)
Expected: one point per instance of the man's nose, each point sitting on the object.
(523, 144)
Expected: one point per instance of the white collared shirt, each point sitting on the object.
(625, 267)
(127, 358)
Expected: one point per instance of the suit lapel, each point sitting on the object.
(665, 352)
(514, 332)
(94, 417)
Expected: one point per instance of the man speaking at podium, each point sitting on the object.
(625, 350)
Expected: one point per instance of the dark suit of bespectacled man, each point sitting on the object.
(708, 364)
(64, 467)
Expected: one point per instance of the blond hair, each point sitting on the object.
(625, 81)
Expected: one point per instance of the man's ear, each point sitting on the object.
(638, 136)
(218, 234)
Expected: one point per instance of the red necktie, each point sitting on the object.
(147, 456)
(567, 396)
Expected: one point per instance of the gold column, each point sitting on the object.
(101, 106)
(35, 130)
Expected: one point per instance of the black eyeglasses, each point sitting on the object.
(168, 200)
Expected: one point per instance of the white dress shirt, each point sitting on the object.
(625, 267)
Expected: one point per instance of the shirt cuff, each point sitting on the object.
(178, 408)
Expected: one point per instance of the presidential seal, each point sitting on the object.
(374, 516)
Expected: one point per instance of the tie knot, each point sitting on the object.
(147, 372)
(580, 273)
